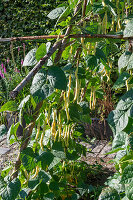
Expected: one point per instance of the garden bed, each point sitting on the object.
(96, 153)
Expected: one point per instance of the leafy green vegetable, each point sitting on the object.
(12, 190)
(128, 32)
(109, 194)
(39, 89)
(41, 51)
(57, 78)
(123, 60)
(121, 81)
(9, 106)
(56, 12)
(30, 58)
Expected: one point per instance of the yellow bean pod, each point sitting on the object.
(82, 94)
(91, 99)
(119, 23)
(83, 44)
(36, 172)
(27, 176)
(113, 23)
(42, 136)
(91, 2)
(103, 3)
(59, 126)
(127, 86)
(41, 141)
(48, 117)
(38, 130)
(68, 135)
(94, 100)
(69, 87)
(53, 128)
(76, 89)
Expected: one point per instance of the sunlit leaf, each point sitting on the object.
(123, 60)
(109, 194)
(130, 63)
(12, 190)
(9, 106)
(41, 51)
(39, 89)
(56, 12)
(128, 32)
(121, 81)
(30, 58)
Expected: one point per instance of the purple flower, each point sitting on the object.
(4, 69)
(22, 61)
(2, 65)
(18, 49)
(24, 46)
(1, 74)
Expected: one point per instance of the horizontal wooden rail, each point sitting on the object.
(63, 36)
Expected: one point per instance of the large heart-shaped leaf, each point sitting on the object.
(129, 191)
(126, 101)
(46, 159)
(44, 175)
(58, 150)
(39, 89)
(130, 63)
(119, 140)
(30, 58)
(129, 127)
(32, 184)
(27, 157)
(91, 61)
(64, 15)
(123, 60)
(121, 81)
(55, 161)
(57, 78)
(56, 12)
(109, 194)
(100, 54)
(41, 51)
(2, 184)
(118, 119)
(12, 190)
(74, 111)
(127, 176)
(128, 32)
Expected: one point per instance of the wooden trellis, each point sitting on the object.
(59, 45)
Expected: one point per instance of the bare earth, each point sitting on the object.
(9, 153)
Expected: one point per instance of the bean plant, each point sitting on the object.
(62, 96)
